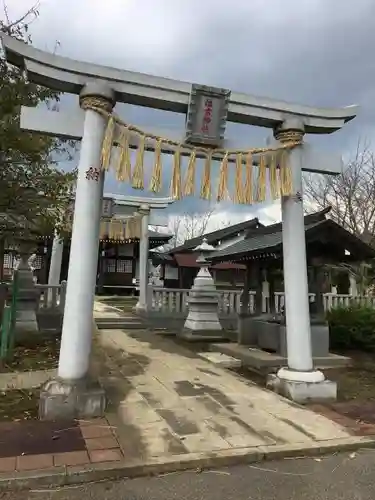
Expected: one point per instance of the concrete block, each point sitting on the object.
(271, 336)
(221, 360)
(247, 334)
(201, 335)
(62, 399)
(303, 392)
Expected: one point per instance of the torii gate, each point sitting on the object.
(108, 85)
(147, 207)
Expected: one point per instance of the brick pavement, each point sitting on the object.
(47, 445)
(358, 417)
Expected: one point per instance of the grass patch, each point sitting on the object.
(356, 382)
(17, 405)
(43, 355)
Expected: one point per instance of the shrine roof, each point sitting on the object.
(267, 241)
(217, 235)
(254, 243)
(159, 236)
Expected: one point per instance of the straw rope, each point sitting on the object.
(253, 188)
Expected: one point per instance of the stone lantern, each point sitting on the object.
(202, 322)
(28, 295)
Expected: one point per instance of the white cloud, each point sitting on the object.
(270, 214)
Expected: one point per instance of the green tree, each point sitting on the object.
(34, 191)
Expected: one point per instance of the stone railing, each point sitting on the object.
(229, 301)
(332, 300)
(175, 301)
(169, 300)
(280, 301)
(52, 296)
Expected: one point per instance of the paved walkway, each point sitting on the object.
(167, 401)
(168, 408)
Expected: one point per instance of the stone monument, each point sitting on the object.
(202, 322)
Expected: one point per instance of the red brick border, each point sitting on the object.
(101, 446)
(355, 427)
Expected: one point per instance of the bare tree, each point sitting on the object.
(191, 225)
(352, 198)
(351, 194)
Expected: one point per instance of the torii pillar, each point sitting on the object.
(300, 380)
(71, 393)
(141, 306)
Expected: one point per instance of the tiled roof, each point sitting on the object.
(218, 235)
(269, 242)
(159, 236)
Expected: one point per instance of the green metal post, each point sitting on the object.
(13, 312)
(4, 334)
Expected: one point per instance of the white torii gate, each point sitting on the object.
(148, 208)
(109, 85)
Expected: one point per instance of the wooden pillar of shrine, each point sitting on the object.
(101, 265)
(257, 287)
(247, 335)
(317, 284)
(245, 298)
(271, 301)
(252, 281)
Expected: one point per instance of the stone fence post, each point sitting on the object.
(62, 296)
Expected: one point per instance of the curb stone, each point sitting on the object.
(63, 476)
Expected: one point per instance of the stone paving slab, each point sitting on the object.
(179, 401)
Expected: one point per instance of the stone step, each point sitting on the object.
(120, 326)
(219, 359)
(118, 319)
(120, 323)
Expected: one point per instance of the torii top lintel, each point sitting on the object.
(68, 75)
(139, 201)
